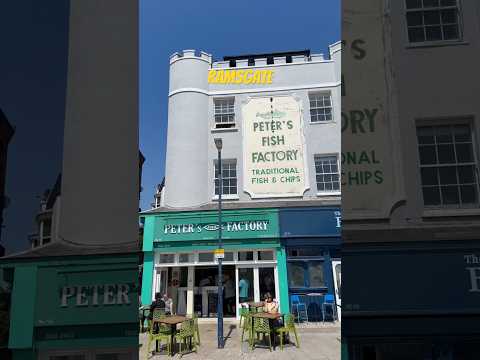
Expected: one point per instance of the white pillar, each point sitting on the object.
(256, 285)
(190, 288)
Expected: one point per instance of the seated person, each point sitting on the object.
(158, 303)
(269, 305)
(168, 304)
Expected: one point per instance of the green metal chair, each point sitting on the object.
(197, 331)
(162, 334)
(247, 327)
(243, 311)
(261, 326)
(287, 328)
(186, 336)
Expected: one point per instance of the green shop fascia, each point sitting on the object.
(180, 260)
(68, 305)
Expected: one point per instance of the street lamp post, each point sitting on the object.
(218, 145)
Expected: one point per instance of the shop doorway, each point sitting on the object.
(254, 282)
(206, 291)
(337, 279)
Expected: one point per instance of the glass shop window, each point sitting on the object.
(315, 271)
(296, 274)
(205, 257)
(185, 258)
(265, 255)
(304, 252)
(228, 256)
(167, 258)
(245, 256)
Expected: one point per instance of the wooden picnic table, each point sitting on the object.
(173, 321)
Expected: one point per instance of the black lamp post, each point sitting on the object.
(218, 145)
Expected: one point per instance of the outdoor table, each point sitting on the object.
(173, 321)
(255, 305)
(271, 317)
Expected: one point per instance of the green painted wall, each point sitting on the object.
(189, 231)
(38, 320)
(148, 233)
(283, 280)
(24, 355)
(147, 278)
(52, 280)
(22, 311)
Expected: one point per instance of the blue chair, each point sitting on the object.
(301, 308)
(329, 301)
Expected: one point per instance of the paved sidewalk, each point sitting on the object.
(317, 342)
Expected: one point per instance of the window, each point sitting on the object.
(432, 20)
(167, 258)
(229, 177)
(228, 256)
(245, 256)
(303, 252)
(447, 165)
(327, 174)
(296, 274)
(205, 257)
(320, 107)
(306, 274)
(265, 255)
(224, 113)
(315, 270)
(185, 258)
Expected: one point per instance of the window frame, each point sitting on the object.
(328, 192)
(225, 196)
(322, 92)
(449, 122)
(305, 262)
(441, 42)
(215, 123)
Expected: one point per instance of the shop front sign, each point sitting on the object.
(473, 270)
(238, 224)
(274, 164)
(446, 281)
(231, 226)
(371, 183)
(297, 222)
(95, 295)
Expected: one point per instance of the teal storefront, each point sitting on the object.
(73, 307)
(179, 259)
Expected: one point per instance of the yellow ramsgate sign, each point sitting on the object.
(249, 76)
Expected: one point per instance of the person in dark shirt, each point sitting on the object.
(158, 303)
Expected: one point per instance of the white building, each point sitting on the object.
(204, 103)
(412, 239)
(278, 116)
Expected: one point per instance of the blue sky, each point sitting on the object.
(219, 28)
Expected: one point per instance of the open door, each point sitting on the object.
(337, 278)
